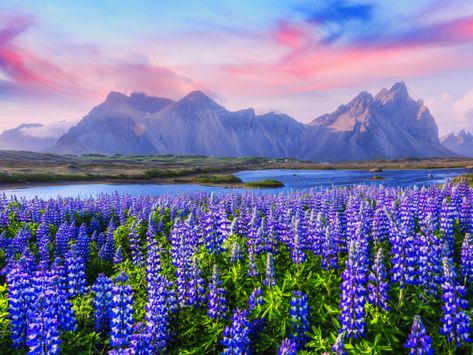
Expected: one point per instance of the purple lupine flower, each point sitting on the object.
(465, 214)
(102, 290)
(196, 285)
(299, 312)
(329, 252)
(20, 299)
(288, 347)
(157, 307)
(338, 347)
(297, 254)
(118, 256)
(447, 219)
(377, 284)
(455, 321)
(43, 327)
(121, 315)
(236, 337)
(75, 268)
(236, 253)
(217, 303)
(252, 268)
(270, 273)
(83, 243)
(108, 249)
(353, 294)
(66, 316)
(43, 238)
(141, 340)
(62, 238)
(467, 259)
(135, 246)
(151, 230)
(418, 341)
(255, 299)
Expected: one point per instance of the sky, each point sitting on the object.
(58, 59)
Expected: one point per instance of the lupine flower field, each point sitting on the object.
(357, 270)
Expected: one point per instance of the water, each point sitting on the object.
(292, 179)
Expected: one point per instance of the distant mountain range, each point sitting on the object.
(461, 144)
(34, 137)
(386, 126)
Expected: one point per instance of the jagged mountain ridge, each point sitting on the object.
(461, 143)
(388, 125)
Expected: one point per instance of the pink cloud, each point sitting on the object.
(78, 71)
(309, 63)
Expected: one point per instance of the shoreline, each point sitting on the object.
(184, 180)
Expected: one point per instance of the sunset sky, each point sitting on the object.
(304, 58)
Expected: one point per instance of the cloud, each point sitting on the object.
(52, 130)
(453, 113)
(78, 71)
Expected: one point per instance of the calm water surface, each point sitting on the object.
(292, 179)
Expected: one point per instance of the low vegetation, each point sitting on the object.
(260, 184)
(218, 179)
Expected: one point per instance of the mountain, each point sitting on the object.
(33, 137)
(114, 127)
(388, 125)
(462, 144)
(194, 125)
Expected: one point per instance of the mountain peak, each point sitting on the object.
(397, 92)
(115, 96)
(197, 99)
(399, 87)
(364, 98)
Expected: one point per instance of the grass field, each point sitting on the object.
(27, 167)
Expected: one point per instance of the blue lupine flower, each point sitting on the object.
(255, 299)
(66, 316)
(236, 253)
(297, 254)
(270, 273)
(76, 279)
(141, 341)
(102, 290)
(196, 285)
(455, 321)
(62, 238)
(43, 327)
(252, 268)
(288, 347)
(467, 259)
(135, 246)
(353, 294)
(418, 341)
(217, 303)
(338, 347)
(118, 256)
(236, 337)
(447, 219)
(377, 284)
(121, 315)
(108, 249)
(157, 307)
(20, 299)
(83, 243)
(299, 312)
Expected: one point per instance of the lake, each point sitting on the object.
(292, 179)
